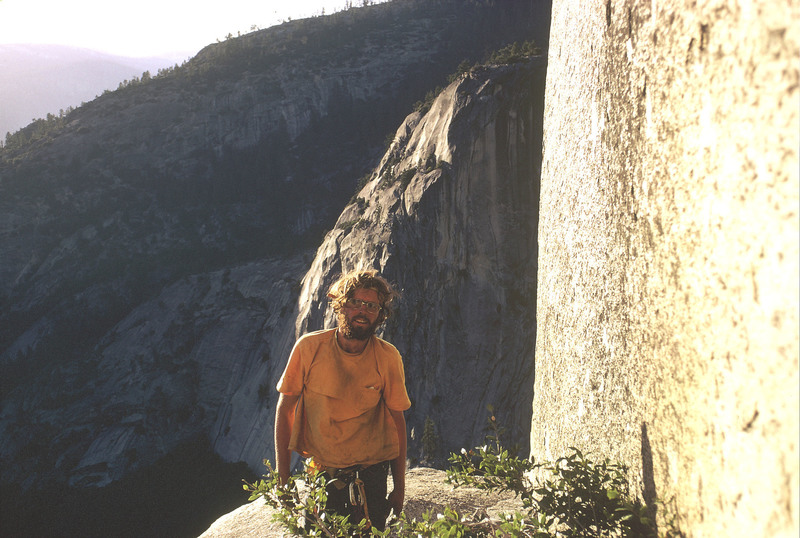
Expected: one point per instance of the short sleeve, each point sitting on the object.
(291, 382)
(394, 390)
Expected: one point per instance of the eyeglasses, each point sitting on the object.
(369, 306)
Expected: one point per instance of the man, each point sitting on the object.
(342, 400)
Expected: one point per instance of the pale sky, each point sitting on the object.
(147, 27)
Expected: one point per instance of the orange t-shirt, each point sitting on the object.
(342, 417)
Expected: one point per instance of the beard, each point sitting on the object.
(356, 332)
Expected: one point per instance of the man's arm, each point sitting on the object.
(284, 418)
(398, 494)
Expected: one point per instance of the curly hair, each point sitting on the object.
(369, 279)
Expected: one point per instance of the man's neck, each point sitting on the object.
(350, 345)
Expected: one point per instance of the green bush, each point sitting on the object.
(514, 53)
(430, 441)
(575, 497)
(589, 499)
(298, 505)
(425, 105)
(464, 67)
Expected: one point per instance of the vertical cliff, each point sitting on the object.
(450, 216)
(668, 270)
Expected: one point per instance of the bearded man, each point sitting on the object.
(342, 397)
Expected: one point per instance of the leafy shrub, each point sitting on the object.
(298, 504)
(576, 497)
(464, 67)
(430, 440)
(589, 498)
(514, 53)
(425, 105)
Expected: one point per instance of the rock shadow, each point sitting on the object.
(648, 478)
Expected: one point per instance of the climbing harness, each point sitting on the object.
(349, 477)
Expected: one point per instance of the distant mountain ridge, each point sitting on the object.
(44, 79)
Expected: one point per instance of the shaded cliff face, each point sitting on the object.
(668, 269)
(450, 216)
(153, 246)
(192, 360)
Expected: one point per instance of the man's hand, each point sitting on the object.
(396, 501)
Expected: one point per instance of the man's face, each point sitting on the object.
(359, 317)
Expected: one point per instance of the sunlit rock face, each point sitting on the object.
(450, 217)
(668, 267)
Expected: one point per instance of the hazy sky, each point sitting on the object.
(147, 27)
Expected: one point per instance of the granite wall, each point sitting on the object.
(667, 315)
